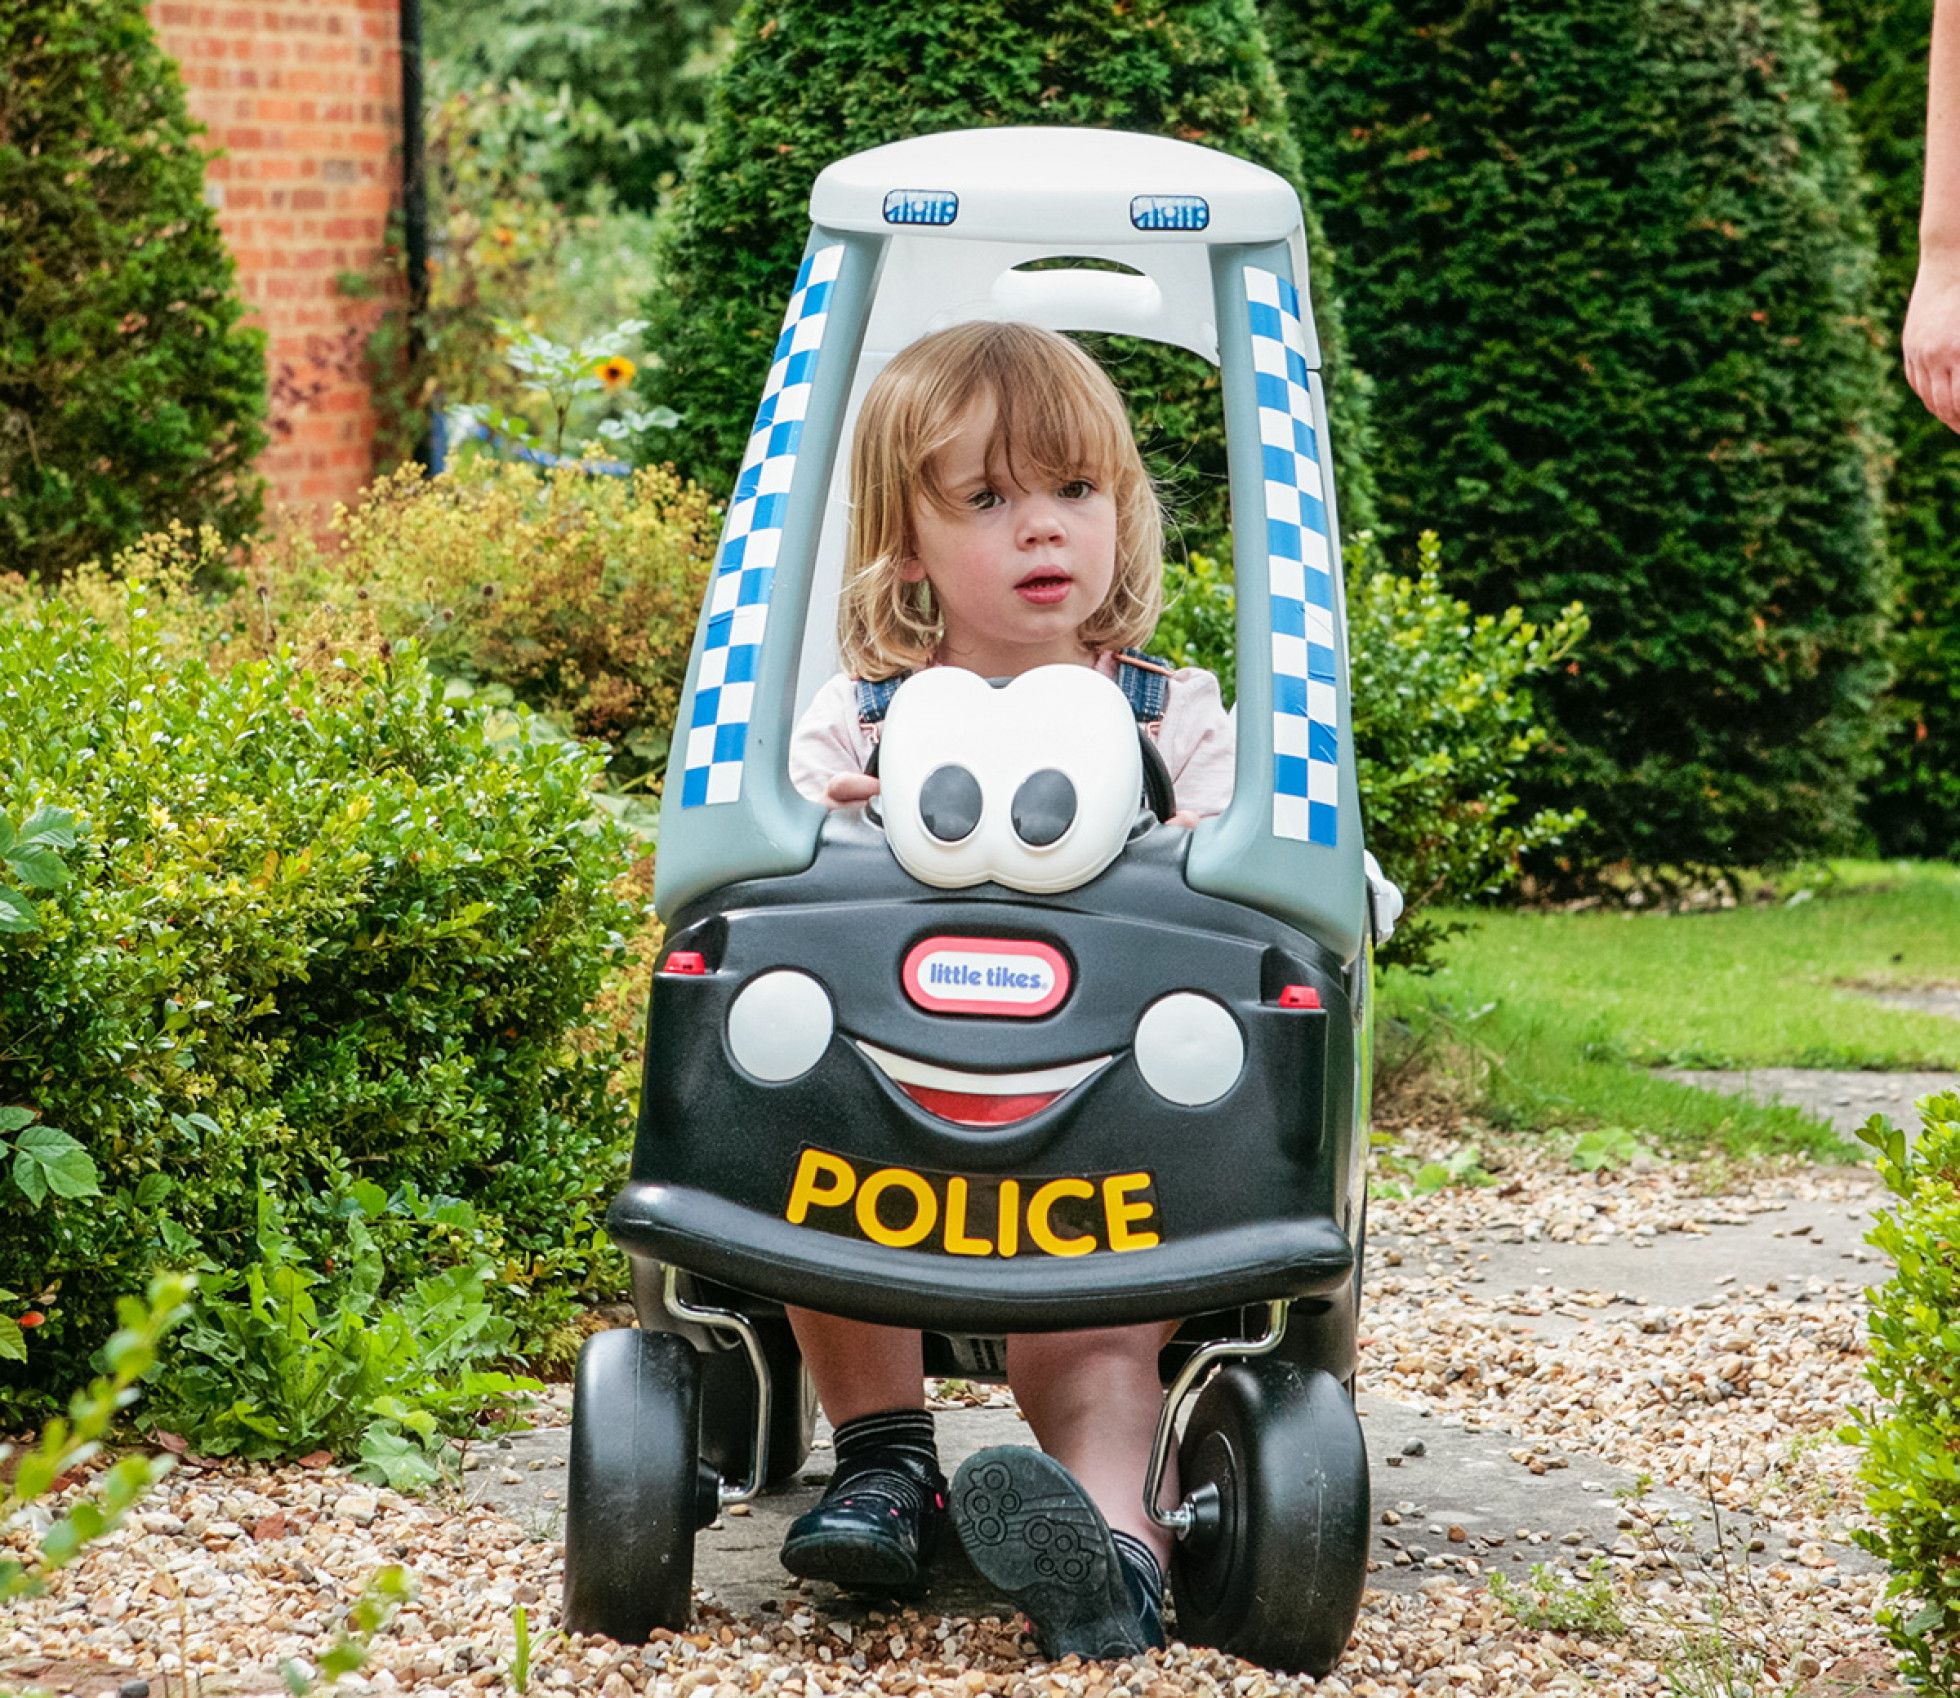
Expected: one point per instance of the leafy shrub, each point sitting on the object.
(1608, 270)
(506, 250)
(642, 68)
(1444, 727)
(45, 1159)
(322, 926)
(30, 859)
(580, 384)
(280, 1360)
(69, 1443)
(1914, 806)
(130, 393)
(1912, 1443)
(578, 593)
(808, 82)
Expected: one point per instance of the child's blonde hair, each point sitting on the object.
(1056, 417)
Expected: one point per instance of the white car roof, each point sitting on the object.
(1039, 185)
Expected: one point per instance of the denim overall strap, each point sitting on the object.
(1144, 679)
(874, 698)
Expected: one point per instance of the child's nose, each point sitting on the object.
(1041, 520)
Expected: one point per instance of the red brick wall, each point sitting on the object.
(304, 100)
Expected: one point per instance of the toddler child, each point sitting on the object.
(1001, 519)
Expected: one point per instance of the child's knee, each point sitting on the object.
(1103, 1355)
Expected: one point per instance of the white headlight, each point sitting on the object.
(779, 1025)
(1189, 1049)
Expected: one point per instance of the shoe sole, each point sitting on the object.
(1032, 1531)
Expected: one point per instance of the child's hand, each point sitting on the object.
(1183, 817)
(848, 789)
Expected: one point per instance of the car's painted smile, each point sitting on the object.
(980, 1099)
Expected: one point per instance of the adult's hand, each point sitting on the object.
(1931, 343)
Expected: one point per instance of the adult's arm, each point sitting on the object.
(1931, 342)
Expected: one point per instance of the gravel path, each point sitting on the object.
(1531, 1349)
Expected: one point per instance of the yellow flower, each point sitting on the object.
(616, 372)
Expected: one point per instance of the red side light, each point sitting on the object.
(685, 961)
(1299, 996)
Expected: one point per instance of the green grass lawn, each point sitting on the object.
(1571, 1011)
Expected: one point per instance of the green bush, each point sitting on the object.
(1608, 270)
(1914, 806)
(575, 593)
(30, 860)
(280, 1359)
(505, 252)
(322, 926)
(130, 395)
(810, 82)
(1445, 729)
(1912, 1441)
(642, 68)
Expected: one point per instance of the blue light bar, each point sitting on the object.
(921, 206)
(1168, 212)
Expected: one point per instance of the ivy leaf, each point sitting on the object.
(17, 913)
(13, 1119)
(13, 1342)
(47, 1160)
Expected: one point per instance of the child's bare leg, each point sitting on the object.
(1092, 1399)
(859, 1369)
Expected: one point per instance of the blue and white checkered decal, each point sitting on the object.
(1306, 714)
(745, 567)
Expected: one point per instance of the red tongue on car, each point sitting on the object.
(972, 1108)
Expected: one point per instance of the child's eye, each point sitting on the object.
(1077, 489)
(982, 499)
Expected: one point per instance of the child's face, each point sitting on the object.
(1014, 570)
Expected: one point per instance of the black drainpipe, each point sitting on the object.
(415, 205)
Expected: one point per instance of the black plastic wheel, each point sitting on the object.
(636, 1492)
(1278, 1578)
(728, 1406)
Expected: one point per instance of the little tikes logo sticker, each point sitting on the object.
(985, 975)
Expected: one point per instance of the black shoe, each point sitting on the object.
(874, 1527)
(1036, 1534)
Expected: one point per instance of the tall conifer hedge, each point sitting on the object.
(1914, 808)
(1605, 262)
(809, 82)
(129, 393)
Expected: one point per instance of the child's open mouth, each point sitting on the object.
(1044, 588)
